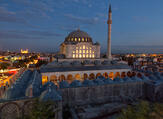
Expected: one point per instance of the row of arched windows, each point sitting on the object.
(79, 39)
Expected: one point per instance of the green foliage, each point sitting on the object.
(41, 110)
(143, 110)
(4, 66)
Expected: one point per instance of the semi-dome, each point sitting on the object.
(78, 36)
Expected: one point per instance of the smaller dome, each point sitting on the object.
(50, 94)
(117, 79)
(88, 82)
(75, 83)
(145, 78)
(98, 82)
(108, 81)
(106, 62)
(97, 43)
(63, 84)
(46, 85)
(97, 62)
(76, 63)
(135, 78)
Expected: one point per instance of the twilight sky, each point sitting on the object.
(41, 25)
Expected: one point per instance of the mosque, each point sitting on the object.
(78, 44)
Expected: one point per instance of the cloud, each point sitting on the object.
(16, 34)
(4, 11)
(83, 20)
(140, 18)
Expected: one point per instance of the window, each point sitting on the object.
(73, 56)
(79, 39)
(80, 51)
(87, 51)
(84, 55)
(80, 55)
(76, 55)
(75, 39)
(71, 39)
(90, 55)
(83, 39)
(87, 56)
(77, 51)
(83, 51)
(83, 46)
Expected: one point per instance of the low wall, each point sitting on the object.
(102, 93)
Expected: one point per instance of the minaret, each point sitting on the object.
(109, 22)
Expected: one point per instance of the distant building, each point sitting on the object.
(24, 51)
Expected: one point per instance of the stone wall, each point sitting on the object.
(15, 109)
(103, 93)
(154, 92)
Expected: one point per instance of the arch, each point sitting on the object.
(139, 75)
(53, 78)
(133, 74)
(111, 75)
(92, 76)
(117, 74)
(85, 76)
(98, 74)
(69, 78)
(27, 107)
(129, 74)
(62, 77)
(10, 111)
(44, 79)
(105, 75)
(77, 77)
(123, 74)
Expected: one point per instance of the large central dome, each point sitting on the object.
(78, 36)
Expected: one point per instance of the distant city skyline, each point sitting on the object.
(41, 25)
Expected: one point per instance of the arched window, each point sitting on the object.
(73, 55)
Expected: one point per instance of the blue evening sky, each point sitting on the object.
(41, 25)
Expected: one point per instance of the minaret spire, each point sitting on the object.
(109, 22)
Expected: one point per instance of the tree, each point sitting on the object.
(143, 110)
(41, 110)
(4, 66)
